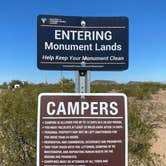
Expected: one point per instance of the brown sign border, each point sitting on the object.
(79, 94)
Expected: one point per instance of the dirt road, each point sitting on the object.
(159, 147)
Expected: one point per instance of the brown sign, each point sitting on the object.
(82, 130)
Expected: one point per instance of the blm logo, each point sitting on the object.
(43, 20)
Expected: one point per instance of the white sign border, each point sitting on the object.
(82, 94)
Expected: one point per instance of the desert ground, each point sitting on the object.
(159, 146)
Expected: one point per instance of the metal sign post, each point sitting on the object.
(82, 82)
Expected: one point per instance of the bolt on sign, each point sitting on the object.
(82, 43)
(82, 129)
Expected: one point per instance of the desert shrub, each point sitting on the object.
(137, 90)
(18, 128)
(141, 134)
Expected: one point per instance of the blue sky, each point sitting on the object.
(147, 37)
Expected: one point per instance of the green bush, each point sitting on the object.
(140, 135)
(18, 128)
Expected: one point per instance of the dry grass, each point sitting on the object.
(159, 146)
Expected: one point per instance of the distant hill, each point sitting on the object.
(134, 82)
(103, 82)
(141, 82)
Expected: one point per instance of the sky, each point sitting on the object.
(147, 38)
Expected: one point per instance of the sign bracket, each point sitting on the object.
(82, 81)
